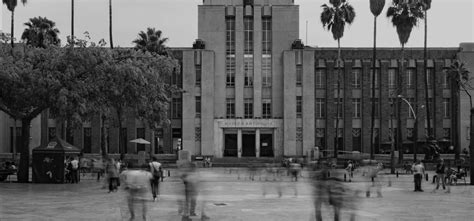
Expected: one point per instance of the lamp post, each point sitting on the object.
(415, 130)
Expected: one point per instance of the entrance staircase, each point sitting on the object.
(244, 161)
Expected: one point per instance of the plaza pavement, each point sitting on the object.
(232, 196)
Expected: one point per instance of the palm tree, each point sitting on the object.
(405, 15)
(376, 7)
(11, 5)
(425, 6)
(41, 32)
(151, 41)
(72, 20)
(110, 24)
(334, 18)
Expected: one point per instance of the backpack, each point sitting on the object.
(156, 171)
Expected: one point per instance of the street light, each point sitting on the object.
(415, 130)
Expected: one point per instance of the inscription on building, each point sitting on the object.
(248, 123)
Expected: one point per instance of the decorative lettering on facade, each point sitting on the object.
(248, 124)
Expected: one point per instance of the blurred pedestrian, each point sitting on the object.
(156, 171)
(418, 171)
(74, 170)
(137, 185)
(112, 175)
(191, 182)
(440, 172)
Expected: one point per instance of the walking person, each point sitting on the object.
(137, 184)
(112, 174)
(74, 170)
(440, 171)
(419, 172)
(157, 172)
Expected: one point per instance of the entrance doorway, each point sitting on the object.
(266, 145)
(248, 144)
(230, 145)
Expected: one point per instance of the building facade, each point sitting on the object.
(252, 89)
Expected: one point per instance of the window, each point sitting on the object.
(248, 35)
(177, 108)
(266, 108)
(266, 35)
(266, 70)
(299, 75)
(140, 134)
(230, 52)
(230, 70)
(430, 75)
(230, 107)
(198, 106)
(176, 76)
(320, 106)
(51, 133)
(299, 106)
(356, 77)
(446, 79)
(410, 77)
(412, 103)
(338, 104)
(392, 78)
(356, 139)
(70, 135)
(18, 139)
(320, 140)
(356, 106)
(447, 133)
(87, 138)
(198, 75)
(447, 107)
(377, 77)
(377, 107)
(392, 103)
(248, 70)
(320, 78)
(248, 108)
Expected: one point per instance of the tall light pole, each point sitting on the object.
(415, 130)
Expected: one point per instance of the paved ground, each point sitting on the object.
(230, 198)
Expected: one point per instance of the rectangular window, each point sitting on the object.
(431, 106)
(18, 139)
(299, 106)
(338, 104)
(410, 77)
(412, 103)
(320, 79)
(230, 52)
(357, 107)
(393, 110)
(447, 133)
(176, 78)
(392, 78)
(377, 107)
(430, 75)
(230, 107)
(266, 70)
(299, 75)
(70, 135)
(87, 138)
(198, 106)
(377, 77)
(447, 107)
(51, 133)
(356, 139)
(266, 108)
(320, 106)
(248, 35)
(356, 77)
(446, 84)
(177, 108)
(198, 75)
(248, 70)
(140, 134)
(266, 35)
(248, 108)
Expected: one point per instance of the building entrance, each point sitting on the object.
(230, 145)
(266, 145)
(248, 144)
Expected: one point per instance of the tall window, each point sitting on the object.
(141, 134)
(230, 52)
(299, 75)
(430, 75)
(299, 106)
(266, 108)
(377, 79)
(356, 106)
(320, 106)
(431, 106)
(198, 106)
(447, 107)
(412, 103)
(320, 78)
(411, 77)
(177, 108)
(356, 77)
(356, 139)
(198, 75)
(248, 35)
(230, 107)
(248, 108)
(266, 51)
(392, 78)
(392, 103)
(176, 78)
(376, 111)
(338, 104)
(248, 70)
(87, 140)
(445, 79)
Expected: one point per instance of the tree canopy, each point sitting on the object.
(151, 41)
(336, 16)
(41, 32)
(405, 16)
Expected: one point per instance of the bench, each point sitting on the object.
(5, 173)
(205, 160)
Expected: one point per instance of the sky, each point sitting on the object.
(449, 22)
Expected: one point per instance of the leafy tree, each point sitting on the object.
(11, 5)
(41, 32)
(405, 15)
(151, 41)
(376, 7)
(334, 18)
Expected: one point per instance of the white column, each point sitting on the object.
(239, 143)
(257, 143)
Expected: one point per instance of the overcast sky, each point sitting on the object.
(450, 21)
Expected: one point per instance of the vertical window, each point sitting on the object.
(177, 108)
(447, 133)
(266, 70)
(320, 106)
(377, 79)
(140, 134)
(266, 108)
(230, 107)
(356, 77)
(356, 139)
(410, 77)
(248, 70)
(230, 52)
(320, 78)
(248, 108)
(198, 75)
(70, 135)
(299, 106)
(430, 75)
(431, 106)
(266, 51)
(393, 110)
(176, 77)
(18, 139)
(356, 106)
(377, 105)
(299, 75)
(338, 105)
(447, 107)
(412, 103)
(445, 79)
(248, 35)
(198, 106)
(87, 138)
(392, 78)
(51, 133)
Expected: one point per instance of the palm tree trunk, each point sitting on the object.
(373, 91)
(336, 143)
(425, 58)
(399, 108)
(471, 148)
(12, 29)
(121, 143)
(110, 24)
(72, 20)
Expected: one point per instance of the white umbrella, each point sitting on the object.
(140, 141)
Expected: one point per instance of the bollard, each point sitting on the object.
(426, 177)
(344, 177)
(169, 173)
(397, 173)
(329, 174)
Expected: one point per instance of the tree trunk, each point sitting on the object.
(471, 148)
(72, 20)
(24, 167)
(121, 143)
(104, 144)
(425, 58)
(336, 142)
(12, 29)
(110, 24)
(399, 108)
(372, 124)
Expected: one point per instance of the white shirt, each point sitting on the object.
(75, 164)
(154, 166)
